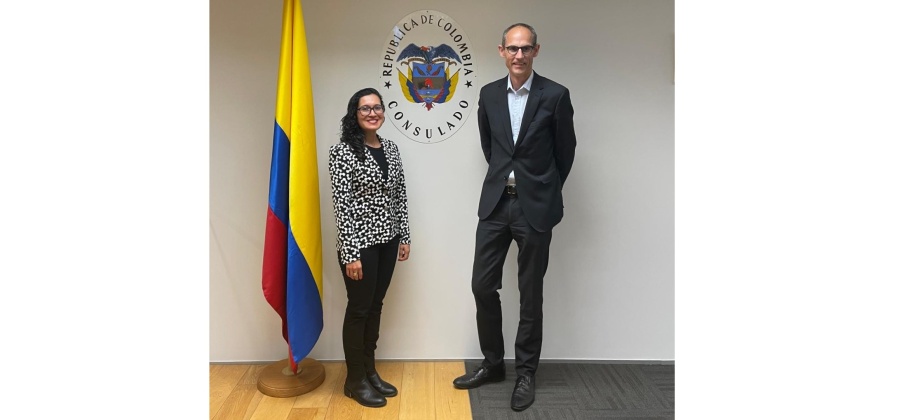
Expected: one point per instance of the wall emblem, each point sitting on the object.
(428, 76)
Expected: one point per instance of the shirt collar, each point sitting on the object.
(526, 84)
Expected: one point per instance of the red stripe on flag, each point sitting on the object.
(274, 267)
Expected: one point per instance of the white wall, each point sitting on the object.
(609, 290)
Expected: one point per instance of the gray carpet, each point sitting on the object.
(573, 391)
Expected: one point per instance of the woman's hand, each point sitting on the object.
(353, 270)
(403, 252)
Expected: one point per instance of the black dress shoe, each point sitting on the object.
(480, 376)
(523, 394)
(383, 387)
(364, 394)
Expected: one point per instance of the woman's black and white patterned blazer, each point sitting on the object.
(368, 209)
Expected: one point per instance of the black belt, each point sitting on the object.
(511, 190)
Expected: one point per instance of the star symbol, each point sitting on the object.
(469, 83)
(387, 84)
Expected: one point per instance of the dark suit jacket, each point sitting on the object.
(542, 157)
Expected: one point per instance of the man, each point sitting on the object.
(528, 138)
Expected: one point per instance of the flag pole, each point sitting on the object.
(291, 359)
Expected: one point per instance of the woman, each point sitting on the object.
(372, 219)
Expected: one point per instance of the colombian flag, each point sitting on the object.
(292, 266)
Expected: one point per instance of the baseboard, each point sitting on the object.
(608, 362)
(583, 361)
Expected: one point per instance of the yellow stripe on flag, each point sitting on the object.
(294, 113)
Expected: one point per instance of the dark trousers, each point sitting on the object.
(493, 238)
(365, 303)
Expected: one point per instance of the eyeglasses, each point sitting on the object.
(366, 110)
(513, 49)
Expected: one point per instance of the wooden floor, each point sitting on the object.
(425, 393)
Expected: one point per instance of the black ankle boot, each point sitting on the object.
(364, 393)
(383, 387)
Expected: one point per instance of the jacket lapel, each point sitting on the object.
(371, 168)
(504, 115)
(533, 100)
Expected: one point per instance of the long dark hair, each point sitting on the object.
(352, 134)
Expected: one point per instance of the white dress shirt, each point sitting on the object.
(517, 100)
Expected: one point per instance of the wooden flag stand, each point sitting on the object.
(277, 379)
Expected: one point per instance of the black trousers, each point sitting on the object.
(361, 328)
(493, 238)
